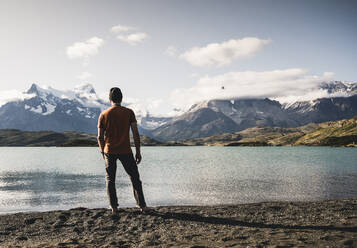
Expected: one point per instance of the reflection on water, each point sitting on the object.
(36, 179)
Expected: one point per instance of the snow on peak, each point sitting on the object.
(199, 105)
(86, 95)
(83, 93)
(44, 109)
(84, 88)
(44, 91)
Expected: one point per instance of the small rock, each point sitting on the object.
(30, 221)
(107, 228)
(22, 238)
(10, 228)
(90, 222)
(225, 239)
(78, 209)
(72, 241)
(58, 225)
(97, 215)
(62, 217)
(349, 243)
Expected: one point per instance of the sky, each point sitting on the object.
(171, 54)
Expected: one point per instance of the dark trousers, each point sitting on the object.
(131, 168)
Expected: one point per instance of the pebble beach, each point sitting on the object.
(268, 224)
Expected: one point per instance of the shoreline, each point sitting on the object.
(177, 206)
(317, 223)
(196, 145)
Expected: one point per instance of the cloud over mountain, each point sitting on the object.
(84, 76)
(220, 54)
(294, 82)
(13, 95)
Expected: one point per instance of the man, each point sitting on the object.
(113, 138)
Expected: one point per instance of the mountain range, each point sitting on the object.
(214, 117)
(55, 110)
(78, 110)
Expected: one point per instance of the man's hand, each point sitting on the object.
(138, 158)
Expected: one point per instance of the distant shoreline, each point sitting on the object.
(321, 223)
(341, 133)
(229, 145)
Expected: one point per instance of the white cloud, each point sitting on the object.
(171, 51)
(153, 103)
(84, 76)
(289, 84)
(134, 38)
(13, 95)
(85, 49)
(120, 28)
(220, 54)
(142, 107)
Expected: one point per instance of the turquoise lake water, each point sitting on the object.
(47, 178)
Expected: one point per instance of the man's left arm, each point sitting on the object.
(136, 137)
(101, 141)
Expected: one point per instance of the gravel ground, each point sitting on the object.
(268, 224)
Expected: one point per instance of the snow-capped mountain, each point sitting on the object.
(46, 108)
(200, 120)
(51, 109)
(340, 88)
(84, 94)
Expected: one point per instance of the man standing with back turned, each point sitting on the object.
(114, 143)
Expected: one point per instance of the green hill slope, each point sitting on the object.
(14, 137)
(338, 133)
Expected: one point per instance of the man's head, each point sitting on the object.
(115, 95)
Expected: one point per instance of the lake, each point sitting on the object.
(48, 178)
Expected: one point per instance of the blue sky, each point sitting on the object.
(169, 54)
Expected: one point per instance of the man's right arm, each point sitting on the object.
(136, 136)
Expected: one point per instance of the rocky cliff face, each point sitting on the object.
(322, 110)
(200, 123)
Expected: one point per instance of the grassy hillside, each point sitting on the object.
(256, 136)
(14, 137)
(338, 133)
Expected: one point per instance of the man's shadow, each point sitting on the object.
(233, 222)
